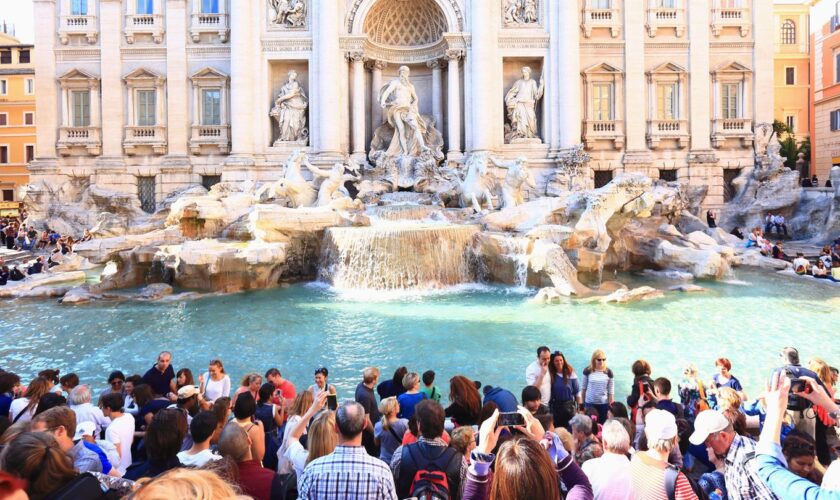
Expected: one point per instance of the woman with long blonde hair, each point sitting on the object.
(186, 483)
(388, 433)
(597, 386)
(823, 422)
(22, 409)
(322, 436)
(302, 402)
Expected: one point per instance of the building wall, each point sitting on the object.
(826, 95)
(793, 100)
(463, 80)
(16, 135)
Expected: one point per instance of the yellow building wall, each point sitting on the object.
(15, 103)
(793, 100)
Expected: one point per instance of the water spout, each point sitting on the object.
(397, 257)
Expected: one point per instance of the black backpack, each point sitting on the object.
(430, 479)
(671, 474)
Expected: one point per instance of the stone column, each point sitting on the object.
(328, 64)
(486, 115)
(569, 103)
(763, 55)
(358, 132)
(453, 104)
(552, 78)
(637, 158)
(177, 107)
(242, 77)
(112, 87)
(46, 119)
(699, 88)
(437, 92)
(376, 68)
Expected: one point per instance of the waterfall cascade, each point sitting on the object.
(516, 250)
(397, 256)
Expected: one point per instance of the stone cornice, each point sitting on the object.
(535, 41)
(618, 44)
(198, 51)
(667, 45)
(732, 45)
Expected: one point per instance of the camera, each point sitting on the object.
(796, 403)
(512, 418)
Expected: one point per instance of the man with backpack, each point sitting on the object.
(429, 468)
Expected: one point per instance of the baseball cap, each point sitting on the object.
(707, 422)
(659, 425)
(84, 429)
(187, 391)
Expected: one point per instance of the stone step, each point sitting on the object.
(12, 257)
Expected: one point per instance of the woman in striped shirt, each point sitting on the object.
(597, 384)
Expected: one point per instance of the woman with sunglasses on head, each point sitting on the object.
(565, 390)
(321, 383)
(598, 388)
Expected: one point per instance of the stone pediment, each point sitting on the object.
(667, 68)
(77, 75)
(208, 74)
(602, 68)
(143, 74)
(731, 67)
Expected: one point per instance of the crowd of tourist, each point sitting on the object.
(48, 247)
(169, 434)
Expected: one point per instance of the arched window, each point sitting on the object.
(788, 32)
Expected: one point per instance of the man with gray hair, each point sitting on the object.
(79, 401)
(348, 472)
(586, 444)
(610, 473)
(651, 475)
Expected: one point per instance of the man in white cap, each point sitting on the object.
(652, 477)
(736, 452)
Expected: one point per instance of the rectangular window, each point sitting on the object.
(211, 104)
(834, 119)
(145, 6)
(29, 153)
(790, 122)
(145, 108)
(4, 154)
(8, 195)
(666, 4)
(4, 87)
(601, 4)
(4, 119)
(790, 76)
(837, 67)
(602, 102)
(29, 118)
(80, 102)
(602, 178)
(5, 56)
(29, 86)
(730, 100)
(24, 56)
(667, 97)
(79, 8)
(209, 181)
(668, 175)
(146, 193)
(210, 6)
(731, 4)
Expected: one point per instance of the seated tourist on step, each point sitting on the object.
(820, 271)
(163, 441)
(769, 220)
(736, 232)
(779, 224)
(778, 253)
(201, 430)
(4, 275)
(801, 265)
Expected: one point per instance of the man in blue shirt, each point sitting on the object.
(503, 398)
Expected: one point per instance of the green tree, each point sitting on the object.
(781, 129)
(791, 150)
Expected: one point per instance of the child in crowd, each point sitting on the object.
(662, 391)
(429, 388)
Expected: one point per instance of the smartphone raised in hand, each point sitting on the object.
(332, 402)
(510, 419)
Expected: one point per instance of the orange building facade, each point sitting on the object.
(825, 60)
(792, 67)
(17, 115)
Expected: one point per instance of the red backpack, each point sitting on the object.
(430, 480)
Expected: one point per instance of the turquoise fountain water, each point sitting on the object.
(487, 333)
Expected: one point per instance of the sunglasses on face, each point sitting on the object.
(601, 359)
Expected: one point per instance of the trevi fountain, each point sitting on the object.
(403, 257)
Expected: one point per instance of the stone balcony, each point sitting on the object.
(215, 24)
(738, 17)
(138, 137)
(601, 18)
(217, 136)
(89, 138)
(724, 129)
(82, 26)
(662, 130)
(144, 24)
(603, 130)
(665, 18)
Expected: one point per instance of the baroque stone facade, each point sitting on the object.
(151, 97)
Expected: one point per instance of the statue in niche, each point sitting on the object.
(521, 103)
(290, 13)
(520, 12)
(399, 102)
(517, 178)
(290, 112)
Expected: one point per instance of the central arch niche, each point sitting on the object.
(405, 23)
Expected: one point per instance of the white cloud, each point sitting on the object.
(19, 14)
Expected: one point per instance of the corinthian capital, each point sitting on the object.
(454, 54)
(356, 55)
